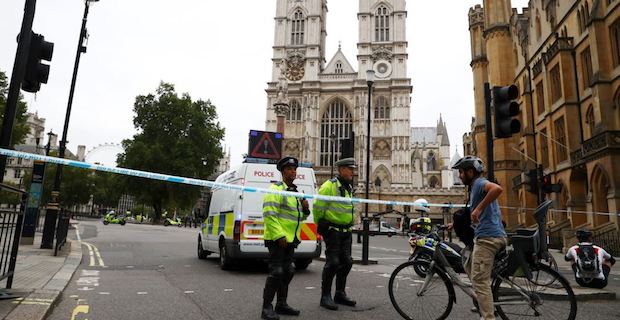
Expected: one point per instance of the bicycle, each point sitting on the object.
(523, 285)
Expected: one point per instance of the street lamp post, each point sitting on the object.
(370, 79)
(47, 240)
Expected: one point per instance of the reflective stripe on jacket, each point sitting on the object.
(339, 213)
(282, 215)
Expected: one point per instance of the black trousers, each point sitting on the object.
(281, 271)
(338, 259)
(593, 283)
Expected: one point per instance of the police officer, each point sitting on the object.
(282, 216)
(334, 220)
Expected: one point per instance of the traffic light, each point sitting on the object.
(37, 72)
(505, 111)
(531, 181)
(549, 187)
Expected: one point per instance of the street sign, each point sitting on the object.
(265, 145)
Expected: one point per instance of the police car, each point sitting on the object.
(234, 225)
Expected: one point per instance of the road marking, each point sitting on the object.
(81, 309)
(310, 288)
(91, 253)
(380, 287)
(99, 256)
(73, 296)
(130, 267)
(85, 289)
(77, 234)
(142, 293)
(228, 290)
(188, 292)
(104, 293)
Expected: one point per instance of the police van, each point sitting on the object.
(234, 225)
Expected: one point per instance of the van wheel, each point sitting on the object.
(202, 253)
(105, 223)
(302, 264)
(225, 260)
(122, 222)
(166, 223)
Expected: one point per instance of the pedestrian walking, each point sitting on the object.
(282, 217)
(335, 222)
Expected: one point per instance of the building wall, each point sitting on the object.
(568, 74)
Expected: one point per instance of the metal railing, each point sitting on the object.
(11, 222)
(62, 228)
(608, 240)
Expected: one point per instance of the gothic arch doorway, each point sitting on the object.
(600, 190)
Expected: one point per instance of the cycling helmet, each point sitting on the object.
(421, 225)
(421, 205)
(469, 162)
(583, 235)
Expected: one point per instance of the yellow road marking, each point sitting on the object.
(95, 256)
(81, 309)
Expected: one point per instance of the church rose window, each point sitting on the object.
(382, 24)
(336, 125)
(298, 26)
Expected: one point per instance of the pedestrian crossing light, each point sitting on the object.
(505, 110)
(37, 72)
(531, 181)
(549, 187)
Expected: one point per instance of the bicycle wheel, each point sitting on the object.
(516, 297)
(404, 289)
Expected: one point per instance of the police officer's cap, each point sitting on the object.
(287, 162)
(346, 162)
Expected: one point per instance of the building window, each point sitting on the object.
(615, 41)
(540, 97)
(579, 21)
(19, 160)
(382, 110)
(10, 161)
(294, 111)
(544, 148)
(538, 30)
(382, 24)
(560, 137)
(18, 173)
(339, 67)
(590, 121)
(431, 162)
(336, 125)
(586, 65)
(556, 83)
(298, 27)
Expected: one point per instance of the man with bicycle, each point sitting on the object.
(490, 237)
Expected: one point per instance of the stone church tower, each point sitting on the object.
(328, 102)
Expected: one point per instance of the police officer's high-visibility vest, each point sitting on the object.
(282, 215)
(336, 213)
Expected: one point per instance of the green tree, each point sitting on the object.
(177, 136)
(20, 126)
(108, 189)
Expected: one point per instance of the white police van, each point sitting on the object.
(234, 225)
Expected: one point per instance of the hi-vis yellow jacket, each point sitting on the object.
(282, 215)
(339, 213)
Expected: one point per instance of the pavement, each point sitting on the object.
(40, 277)
(152, 272)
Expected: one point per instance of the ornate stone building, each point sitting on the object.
(565, 58)
(327, 100)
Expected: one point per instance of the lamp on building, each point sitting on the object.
(370, 80)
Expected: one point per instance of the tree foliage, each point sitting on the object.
(20, 126)
(177, 136)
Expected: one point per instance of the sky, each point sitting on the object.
(220, 50)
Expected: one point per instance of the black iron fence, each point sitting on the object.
(62, 228)
(11, 221)
(608, 240)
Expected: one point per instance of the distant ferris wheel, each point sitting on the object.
(104, 154)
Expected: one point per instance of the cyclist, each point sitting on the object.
(490, 237)
(591, 264)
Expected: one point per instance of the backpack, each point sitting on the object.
(462, 226)
(588, 264)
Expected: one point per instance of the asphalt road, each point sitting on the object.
(152, 272)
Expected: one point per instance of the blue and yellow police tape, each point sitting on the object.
(203, 183)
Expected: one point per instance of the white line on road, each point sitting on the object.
(129, 267)
(104, 293)
(85, 289)
(142, 293)
(310, 288)
(228, 290)
(380, 287)
(188, 292)
(90, 253)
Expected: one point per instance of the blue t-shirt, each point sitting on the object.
(491, 218)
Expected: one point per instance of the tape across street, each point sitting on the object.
(212, 184)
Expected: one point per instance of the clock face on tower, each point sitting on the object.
(294, 72)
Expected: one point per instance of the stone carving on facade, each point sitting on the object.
(281, 104)
(382, 150)
(291, 147)
(381, 53)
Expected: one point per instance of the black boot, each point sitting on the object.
(341, 298)
(282, 307)
(268, 313)
(326, 296)
(268, 294)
